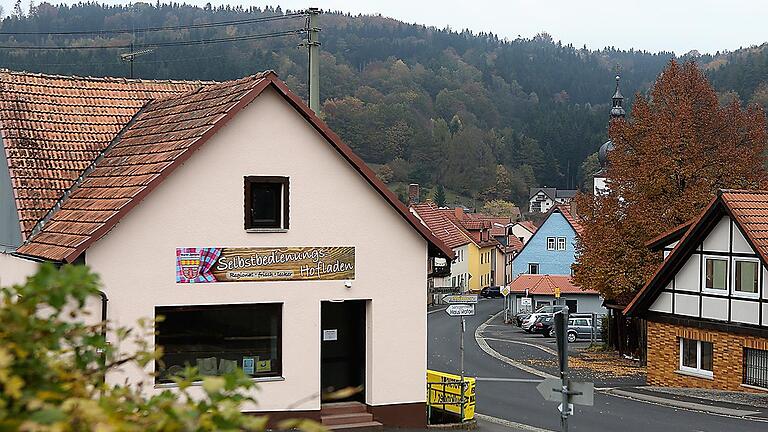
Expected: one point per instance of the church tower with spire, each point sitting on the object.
(617, 112)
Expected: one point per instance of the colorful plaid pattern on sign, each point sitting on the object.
(194, 265)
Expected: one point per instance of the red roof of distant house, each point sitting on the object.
(544, 284)
(88, 167)
(513, 244)
(440, 225)
(529, 225)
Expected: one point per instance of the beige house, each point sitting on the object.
(232, 210)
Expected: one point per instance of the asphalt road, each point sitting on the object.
(503, 390)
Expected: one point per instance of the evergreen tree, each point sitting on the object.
(439, 196)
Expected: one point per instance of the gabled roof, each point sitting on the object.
(440, 225)
(529, 225)
(549, 192)
(668, 237)
(562, 209)
(159, 137)
(749, 211)
(53, 127)
(565, 193)
(544, 284)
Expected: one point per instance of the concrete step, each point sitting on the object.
(340, 419)
(342, 408)
(359, 427)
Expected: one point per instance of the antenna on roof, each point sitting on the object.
(130, 56)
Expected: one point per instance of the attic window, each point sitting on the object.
(266, 203)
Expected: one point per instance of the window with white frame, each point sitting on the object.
(746, 277)
(696, 357)
(715, 275)
(551, 243)
(561, 243)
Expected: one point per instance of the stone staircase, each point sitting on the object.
(348, 416)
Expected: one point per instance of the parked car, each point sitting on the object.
(522, 316)
(491, 291)
(544, 325)
(528, 323)
(580, 327)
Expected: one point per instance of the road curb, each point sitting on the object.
(497, 355)
(690, 406)
(509, 424)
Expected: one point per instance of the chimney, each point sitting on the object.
(573, 208)
(458, 212)
(413, 193)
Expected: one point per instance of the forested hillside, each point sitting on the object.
(484, 117)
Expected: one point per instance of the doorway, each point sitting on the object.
(572, 306)
(342, 351)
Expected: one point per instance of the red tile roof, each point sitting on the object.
(160, 136)
(54, 126)
(440, 225)
(530, 226)
(513, 244)
(566, 211)
(544, 284)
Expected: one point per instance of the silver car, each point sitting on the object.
(581, 328)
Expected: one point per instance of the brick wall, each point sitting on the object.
(728, 351)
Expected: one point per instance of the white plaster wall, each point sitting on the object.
(330, 205)
(15, 270)
(663, 303)
(719, 238)
(520, 232)
(765, 314)
(764, 281)
(689, 276)
(745, 311)
(740, 244)
(714, 308)
(686, 304)
(460, 267)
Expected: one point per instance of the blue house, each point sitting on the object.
(551, 250)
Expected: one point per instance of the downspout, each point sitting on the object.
(104, 301)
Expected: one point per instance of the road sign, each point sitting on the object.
(526, 301)
(505, 290)
(580, 392)
(460, 310)
(557, 292)
(551, 388)
(570, 408)
(460, 299)
(445, 290)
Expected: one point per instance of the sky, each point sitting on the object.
(652, 25)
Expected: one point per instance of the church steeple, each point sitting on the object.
(617, 110)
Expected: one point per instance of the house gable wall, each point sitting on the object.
(201, 204)
(535, 251)
(10, 230)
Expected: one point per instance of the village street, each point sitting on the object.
(506, 392)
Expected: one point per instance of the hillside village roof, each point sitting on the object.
(544, 284)
(529, 225)
(83, 152)
(440, 225)
(748, 209)
(553, 193)
(53, 127)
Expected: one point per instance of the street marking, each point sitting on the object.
(520, 380)
(545, 349)
(510, 424)
(495, 354)
(436, 310)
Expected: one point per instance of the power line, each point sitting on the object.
(157, 29)
(159, 44)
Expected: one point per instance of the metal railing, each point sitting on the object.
(450, 397)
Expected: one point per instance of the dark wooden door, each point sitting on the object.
(342, 354)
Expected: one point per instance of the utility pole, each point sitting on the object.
(313, 46)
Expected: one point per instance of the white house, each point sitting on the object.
(543, 199)
(229, 207)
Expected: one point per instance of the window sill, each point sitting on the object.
(695, 375)
(266, 230)
(200, 383)
(754, 387)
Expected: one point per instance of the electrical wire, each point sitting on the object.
(157, 29)
(159, 44)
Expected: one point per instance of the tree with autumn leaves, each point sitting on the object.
(678, 147)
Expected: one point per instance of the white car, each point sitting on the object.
(544, 310)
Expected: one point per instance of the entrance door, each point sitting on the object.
(342, 353)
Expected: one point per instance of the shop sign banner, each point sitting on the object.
(444, 393)
(205, 265)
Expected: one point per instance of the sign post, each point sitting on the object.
(505, 292)
(461, 305)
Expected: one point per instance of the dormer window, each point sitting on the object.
(266, 203)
